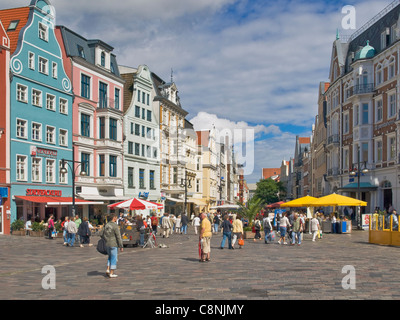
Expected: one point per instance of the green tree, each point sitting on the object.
(270, 191)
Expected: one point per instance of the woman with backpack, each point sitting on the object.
(257, 227)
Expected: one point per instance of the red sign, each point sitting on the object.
(35, 192)
(46, 153)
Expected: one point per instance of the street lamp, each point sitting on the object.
(357, 172)
(186, 183)
(63, 170)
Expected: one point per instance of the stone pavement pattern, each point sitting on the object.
(258, 271)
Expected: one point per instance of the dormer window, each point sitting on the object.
(103, 59)
(81, 52)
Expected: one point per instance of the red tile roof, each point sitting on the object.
(304, 140)
(8, 15)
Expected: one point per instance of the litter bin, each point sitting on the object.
(326, 226)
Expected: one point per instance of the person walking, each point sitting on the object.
(226, 232)
(267, 228)
(315, 227)
(84, 233)
(216, 222)
(284, 223)
(78, 222)
(257, 228)
(154, 223)
(196, 224)
(237, 230)
(166, 225)
(184, 222)
(296, 231)
(112, 236)
(140, 227)
(205, 235)
(178, 224)
(64, 225)
(50, 226)
(72, 230)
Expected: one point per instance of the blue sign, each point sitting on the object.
(144, 195)
(3, 192)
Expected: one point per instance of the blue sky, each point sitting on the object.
(237, 63)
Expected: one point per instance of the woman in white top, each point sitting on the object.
(196, 224)
(314, 227)
(178, 224)
(284, 223)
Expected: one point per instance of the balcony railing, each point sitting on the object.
(333, 139)
(361, 89)
(333, 172)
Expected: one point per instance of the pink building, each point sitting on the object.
(97, 119)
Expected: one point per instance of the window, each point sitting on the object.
(50, 135)
(148, 133)
(132, 128)
(113, 166)
(36, 131)
(21, 168)
(31, 60)
(175, 175)
(143, 114)
(391, 69)
(148, 115)
(379, 111)
(85, 86)
(148, 151)
(392, 106)
(197, 185)
(130, 177)
(148, 99)
(365, 113)
(391, 148)
(22, 93)
(54, 70)
(137, 149)
(102, 123)
(63, 106)
(116, 97)
(85, 125)
(130, 147)
(113, 129)
(36, 170)
(155, 152)
(138, 96)
(137, 112)
(50, 102)
(143, 97)
(63, 138)
(13, 25)
(379, 151)
(393, 33)
(346, 159)
(103, 59)
(151, 179)
(364, 151)
(85, 160)
(36, 98)
(143, 150)
(141, 178)
(50, 170)
(43, 65)
(356, 115)
(103, 95)
(43, 31)
(143, 131)
(81, 52)
(137, 129)
(383, 40)
(22, 129)
(101, 165)
(379, 75)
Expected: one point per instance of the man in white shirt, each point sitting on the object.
(196, 224)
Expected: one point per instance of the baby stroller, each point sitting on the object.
(150, 238)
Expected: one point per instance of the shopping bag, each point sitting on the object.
(272, 236)
(319, 234)
(241, 242)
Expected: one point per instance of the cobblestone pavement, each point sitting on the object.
(258, 271)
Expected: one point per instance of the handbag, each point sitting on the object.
(241, 242)
(101, 246)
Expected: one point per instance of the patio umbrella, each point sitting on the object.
(135, 204)
(300, 202)
(275, 205)
(337, 200)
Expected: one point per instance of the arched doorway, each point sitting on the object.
(387, 194)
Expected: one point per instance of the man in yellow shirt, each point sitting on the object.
(205, 237)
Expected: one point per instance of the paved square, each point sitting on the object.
(258, 271)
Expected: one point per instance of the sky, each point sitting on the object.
(238, 64)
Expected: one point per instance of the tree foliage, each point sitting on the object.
(254, 205)
(270, 191)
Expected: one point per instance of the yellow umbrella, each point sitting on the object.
(337, 200)
(300, 202)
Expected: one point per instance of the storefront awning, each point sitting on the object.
(198, 202)
(175, 200)
(57, 201)
(353, 187)
(104, 198)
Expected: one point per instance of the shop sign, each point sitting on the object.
(45, 153)
(143, 195)
(36, 192)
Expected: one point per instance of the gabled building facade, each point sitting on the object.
(141, 132)
(41, 113)
(5, 194)
(97, 120)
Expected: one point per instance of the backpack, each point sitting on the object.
(101, 246)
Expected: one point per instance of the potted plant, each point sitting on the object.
(37, 230)
(18, 228)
